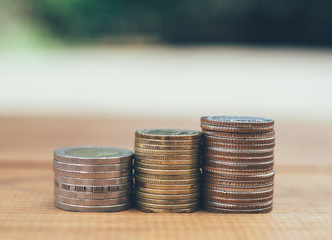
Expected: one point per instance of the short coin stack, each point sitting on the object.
(238, 164)
(93, 179)
(167, 170)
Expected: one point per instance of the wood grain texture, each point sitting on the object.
(302, 200)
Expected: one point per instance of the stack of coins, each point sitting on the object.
(238, 164)
(167, 170)
(93, 179)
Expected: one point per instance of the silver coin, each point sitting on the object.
(94, 181)
(237, 206)
(92, 195)
(78, 208)
(92, 168)
(83, 174)
(95, 189)
(93, 155)
(92, 202)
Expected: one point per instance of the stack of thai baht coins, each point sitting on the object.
(96, 179)
(167, 170)
(238, 164)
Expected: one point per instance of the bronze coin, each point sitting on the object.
(239, 146)
(167, 134)
(239, 135)
(247, 141)
(266, 176)
(237, 172)
(237, 121)
(236, 129)
(239, 211)
(238, 201)
(238, 166)
(237, 195)
(255, 188)
(237, 206)
(238, 153)
(220, 181)
(250, 159)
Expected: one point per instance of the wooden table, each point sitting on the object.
(302, 200)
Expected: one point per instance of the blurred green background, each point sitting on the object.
(52, 22)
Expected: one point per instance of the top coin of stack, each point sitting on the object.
(93, 179)
(167, 170)
(238, 164)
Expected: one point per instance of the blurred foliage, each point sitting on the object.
(187, 21)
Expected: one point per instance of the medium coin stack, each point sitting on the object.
(238, 164)
(167, 170)
(93, 179)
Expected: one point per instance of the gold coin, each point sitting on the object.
(166, 167)
(168, 177)
(167, 201)
(167, 172)
(196, 180)
(166, 152)
(166, 192)
(168, 187)
(168, 134)
(154, 210)
(168, 157)
(167, 206)
(168, 142)
(167, 196)
(167, 162)
(167, 147)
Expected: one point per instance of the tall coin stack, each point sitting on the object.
(238, 164)
(93, 179)
(167, 170)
